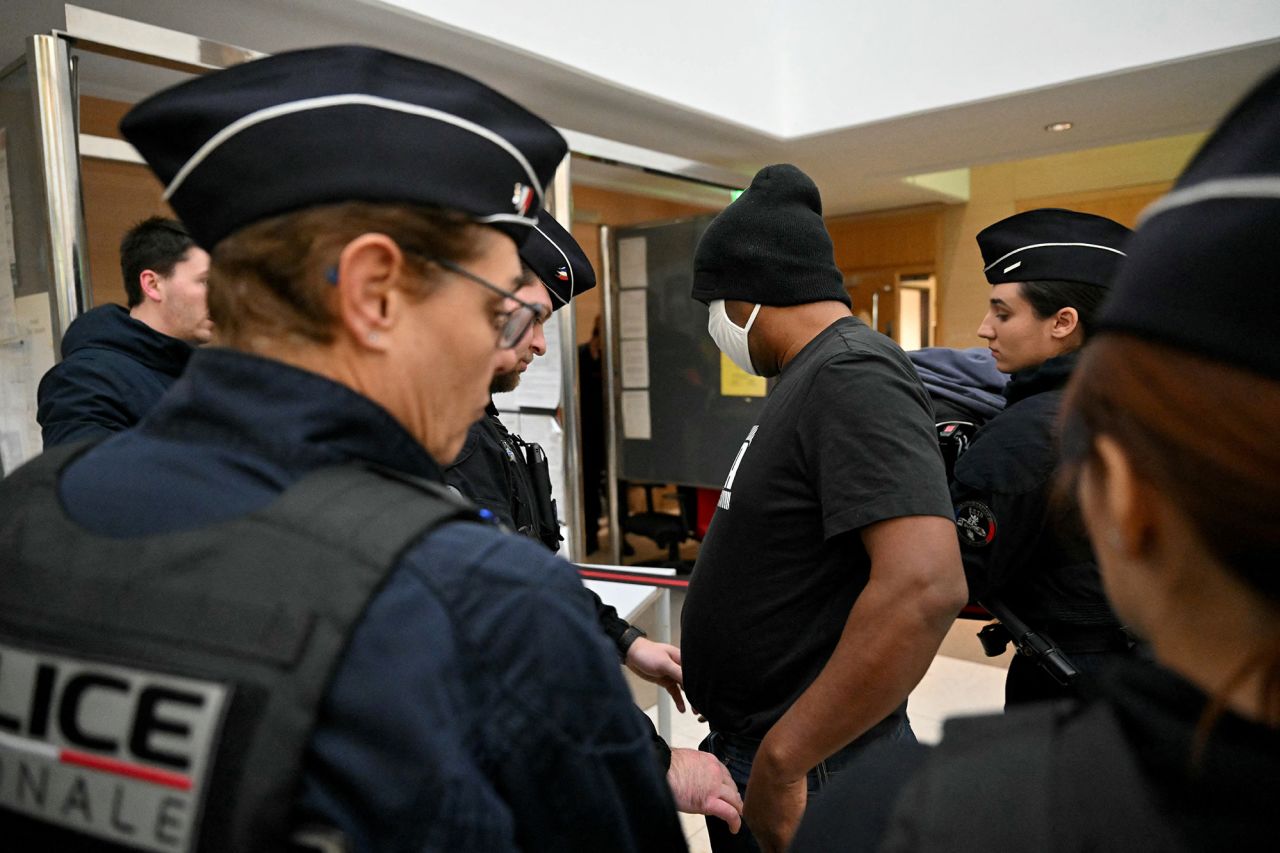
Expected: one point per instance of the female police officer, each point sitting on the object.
(259, 610)
(1170, 424)
(1049, 270)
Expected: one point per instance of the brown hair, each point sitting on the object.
(157, 244)
(1203, 433)
(273, 278)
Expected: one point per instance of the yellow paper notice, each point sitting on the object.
(736, 382)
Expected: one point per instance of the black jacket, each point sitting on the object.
(476, 705)
(113, 370)
(489, 472)
(1015, 541)
(1116, 773)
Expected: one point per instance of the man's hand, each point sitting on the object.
(700, 784)
(774, 807)
(659, 663)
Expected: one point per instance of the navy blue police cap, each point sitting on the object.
(344, 123)
(557, 260)
(1051, 244)
(1201, 273)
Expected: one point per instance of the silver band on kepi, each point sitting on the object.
(1251, 186)
(353, 99)
(1050, 246)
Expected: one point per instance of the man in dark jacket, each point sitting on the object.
(116, 362)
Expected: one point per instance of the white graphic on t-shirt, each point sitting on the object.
(726, 494)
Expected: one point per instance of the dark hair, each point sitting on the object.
(1048, 297)
(271, 278)
(157, 244)
(1202, 432)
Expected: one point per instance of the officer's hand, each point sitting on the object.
(659, 663)
(700, 784)
(774, 807)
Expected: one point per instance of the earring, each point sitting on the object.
(372, 337)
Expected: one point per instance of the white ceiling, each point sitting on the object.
(860, 95)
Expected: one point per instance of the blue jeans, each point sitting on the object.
(738, 752)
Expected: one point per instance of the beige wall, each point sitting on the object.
(1116, 181)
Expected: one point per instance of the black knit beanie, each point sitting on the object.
(770, 246)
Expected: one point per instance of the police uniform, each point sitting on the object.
(1133, 767)
(491, 471)
(493, 467)
(260, 611)
(1017, 545)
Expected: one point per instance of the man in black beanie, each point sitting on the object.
(830, 572)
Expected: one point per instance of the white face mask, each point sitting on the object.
(730, 337)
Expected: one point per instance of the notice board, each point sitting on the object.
(680, 420)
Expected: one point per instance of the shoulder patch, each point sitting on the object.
(114, 752)
(976, 523)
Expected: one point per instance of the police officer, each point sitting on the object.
(1169, 425)
(494, 467)
(259, 614)
(1049, 270)
(499, 472)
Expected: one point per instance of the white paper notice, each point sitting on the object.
(635, 415)
(510, 420)
(635, 364)
(24, 359)
(35, 324)
(633, 263)
(633, 317)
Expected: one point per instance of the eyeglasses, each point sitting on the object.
(512, 325)
(516, 322)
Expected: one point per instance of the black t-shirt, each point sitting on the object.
(845, 440)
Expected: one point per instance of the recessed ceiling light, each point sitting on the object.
(1058, 126)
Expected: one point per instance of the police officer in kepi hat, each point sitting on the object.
(1049, 270)
(259, 613)
(508, 476)
(493, 469)
(1168, 440)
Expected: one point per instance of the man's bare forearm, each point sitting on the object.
(892, 634)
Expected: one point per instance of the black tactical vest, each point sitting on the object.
(533, 510)
(157, 692)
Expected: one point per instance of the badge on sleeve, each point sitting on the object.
(976, 523)
(114, 752)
